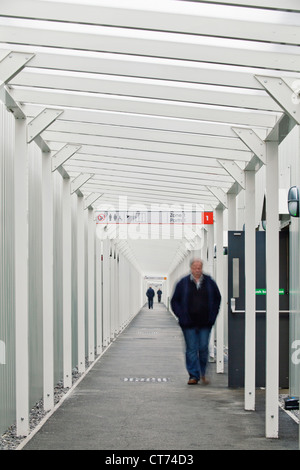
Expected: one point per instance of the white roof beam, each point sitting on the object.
(143, 67)
(155, 173)
(12, 64)
(157, 135)
(119, 155)
(287, 95)
(113, 186)
(114, 198)
(148, 88)
(148, 146)
(152, 184)
(131, 164)
(143, 106)
(168, 16)
(150, 43)
(151, 122)
(291, 5)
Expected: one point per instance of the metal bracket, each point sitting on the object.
(235, 171)
(91, 199)
(78, 182)
(220, 195)
(255, 144)
(38, 124)
(62, 156)
(284, 92)
(11, 104)
(12, 64)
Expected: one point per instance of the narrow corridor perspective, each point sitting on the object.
(136, 397)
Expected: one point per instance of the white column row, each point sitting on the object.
(108, 286)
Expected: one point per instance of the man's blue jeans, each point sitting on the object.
(197, 342)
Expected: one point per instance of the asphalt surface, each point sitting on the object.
(136, 397)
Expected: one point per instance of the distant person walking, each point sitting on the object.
(196, 302)
(159, 292)
(150, 294)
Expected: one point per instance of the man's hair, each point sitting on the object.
(195, 259)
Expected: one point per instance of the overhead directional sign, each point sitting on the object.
(154, 217)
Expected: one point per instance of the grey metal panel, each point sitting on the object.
(7, 316)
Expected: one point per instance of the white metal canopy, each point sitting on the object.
(150, 93)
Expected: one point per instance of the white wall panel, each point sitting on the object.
(7, 321)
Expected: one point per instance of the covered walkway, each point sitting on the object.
(134, 135)
(136, 397)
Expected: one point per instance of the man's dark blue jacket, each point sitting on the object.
(180, 301)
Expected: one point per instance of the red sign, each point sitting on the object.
(207, 218)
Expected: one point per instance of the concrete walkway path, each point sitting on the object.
(136, 397)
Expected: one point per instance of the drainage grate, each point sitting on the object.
(146, 379)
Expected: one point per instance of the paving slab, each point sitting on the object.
(136, 397)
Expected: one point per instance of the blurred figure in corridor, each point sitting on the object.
(150, 294)
(196, 302)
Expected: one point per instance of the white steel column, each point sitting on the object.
(80, 284)
(47, 270)
(91, 286)
(106, 291)
(99, 333)
(67, 282)
(250, 315)
(231, 201)
(272, 283)
(220, 318)
(21, 276)
(210, 270)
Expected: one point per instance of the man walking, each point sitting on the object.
(150, 294)
(196, 302)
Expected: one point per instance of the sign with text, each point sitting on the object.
(154, 217)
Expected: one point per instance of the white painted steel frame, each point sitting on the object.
(47, 273)
(158, 80)
(21, 277)
(272, 286)
(220, 281)
(91, 285)
(250, 284)
(67, 286)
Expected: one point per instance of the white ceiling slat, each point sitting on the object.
(151, 91)
(150, 43)
(148, 146)
(139, 121)
(151, 188)
(144, 67)
(89, 153)
(115, 168)
(163, 108)
(131, 164)
(148, 88)
(148, 134)
(167, 16)
(291, 5)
